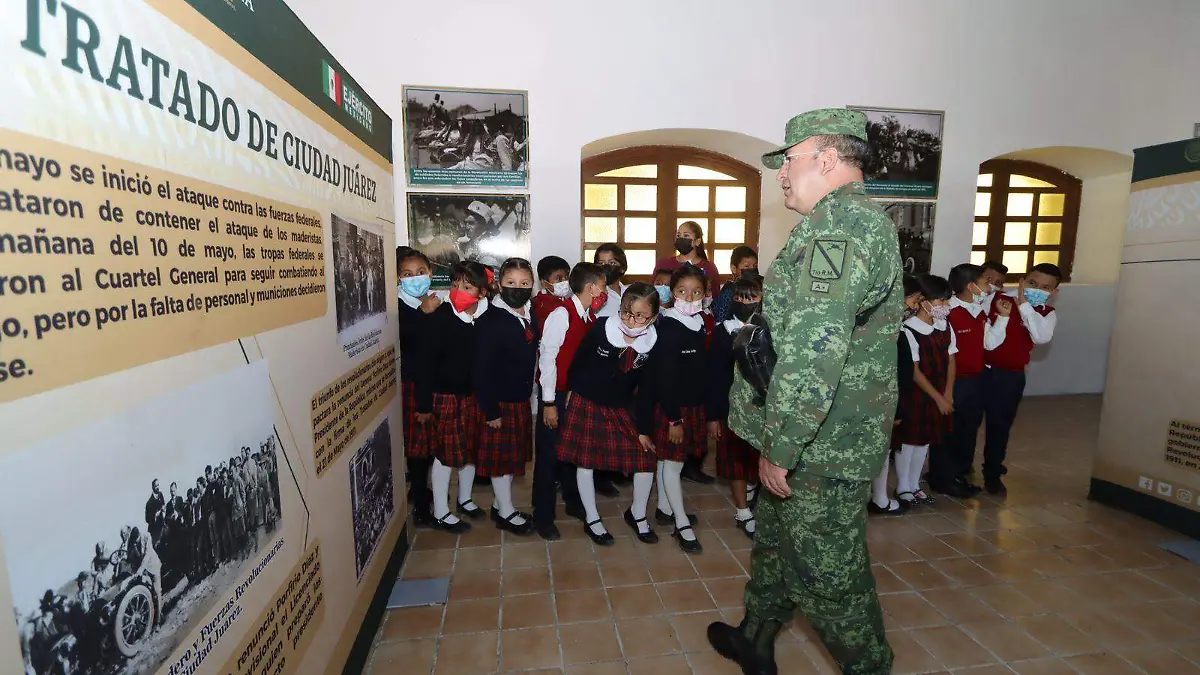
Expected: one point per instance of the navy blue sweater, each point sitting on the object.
(681, 367)
(505, 359)
(446, 357)
(413, 327)
(721, 369)
(600, 373)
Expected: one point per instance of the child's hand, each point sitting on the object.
(896, 423)
(1021, 291)
(1003, 307)
(945, 407)
(949, 396)
(550, 417)
(675, 435)
(424, 418)
(714, 429)
(495, 424)
(429, 303)
(647, 443)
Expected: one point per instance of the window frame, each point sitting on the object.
(668, 159)
(1069, 186)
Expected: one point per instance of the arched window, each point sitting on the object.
(637, 197)
(1025, 214)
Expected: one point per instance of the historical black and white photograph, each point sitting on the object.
(372, 494)
(914, 226)
(359, 288)
(908, 152)
(116, 554)
(452, 227)
(464, 137)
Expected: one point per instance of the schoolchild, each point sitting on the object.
(610, 414)
(562, 333)
(743, 261)
(554, 287)
(880, 504)
(505, 362)
(611, 258)
(416, 303)
(662, 284)
(994, 275)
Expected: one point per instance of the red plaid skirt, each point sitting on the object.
(506, 450)
(695, 435)
(456, 422)
(417, 444)
(603, 438)
(922, 423)
(736, 459)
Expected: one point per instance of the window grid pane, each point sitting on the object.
(721, 258)
(983, 204)
(1040, 257)
(600, 197)
(1016, 260)
(1016, 234)
(638, 171)
(984, 180)
(731, 199)
(641, 230)
(978, 257)
(641, 197)
(1051, 204)
(700, 173)
(703, 222)
(1049, 234)
(1020, 204)
(730, 231)
(979, 235)
(641, 261)
(1018, 181)
(692, 198)
(599, 229)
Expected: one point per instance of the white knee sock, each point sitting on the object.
(903, 461)
(587, 494)
(879, 485)
(674, 489)
(502, 487)
(745, 516)
(466, 482)
(440, 479)
(642, 483)
(916, 466)
(664, 504)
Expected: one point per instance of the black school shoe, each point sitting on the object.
(507, 524)
(732, 643)
(475, 513)
(605, 539)
(957, 488)
(995, 486)
(668, 519)
(877, 510)
(461, 527)
(424, 520)
(650, 537)
(688, 545)
(548, 532)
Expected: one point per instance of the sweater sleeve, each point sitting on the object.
(645, 398)
(484, 370)
(666, 365)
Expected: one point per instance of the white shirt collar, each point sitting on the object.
(692, 322)
(971, 307)
(641, 345)
(618, 295)
(579, 308)
(733, 324)
(469, 318)
(501, 304)
(409, 300)
(923, 328)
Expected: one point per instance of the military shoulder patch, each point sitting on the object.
(828, 259)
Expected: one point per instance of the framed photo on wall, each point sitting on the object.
(914, 226)
(466, 137)
(908, 152)
(486, 228)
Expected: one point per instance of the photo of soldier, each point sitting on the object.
(486, 228)
(462, 137)
(358, 273)
(914, 227)
(372, 494)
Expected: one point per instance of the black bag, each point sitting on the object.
(755, 355)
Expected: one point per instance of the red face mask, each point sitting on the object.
(462, 300)
(600, 301)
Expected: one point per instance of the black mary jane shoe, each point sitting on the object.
(688, 546)
(743, 524)
(461, 527)
(605, 539)
(650, 537)
(507, 524)
(668, 519)
(877, 510)
(472, 513)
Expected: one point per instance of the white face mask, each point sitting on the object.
(689, 307)
(562, 289)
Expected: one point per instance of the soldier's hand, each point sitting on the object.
(647, 443)
(675, 435)
(714, 429)
(774, 478)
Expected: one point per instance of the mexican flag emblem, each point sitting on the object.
(333, 83)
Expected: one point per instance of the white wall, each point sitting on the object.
(1012, 75)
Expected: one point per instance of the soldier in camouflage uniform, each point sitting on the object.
(834, 303)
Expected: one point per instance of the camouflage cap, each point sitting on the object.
(828, 121)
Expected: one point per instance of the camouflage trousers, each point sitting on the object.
(810, 553)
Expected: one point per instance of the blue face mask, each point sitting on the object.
(1036, 296)
(417, 287)
(664, 293)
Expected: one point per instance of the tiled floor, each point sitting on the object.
(1044, 583)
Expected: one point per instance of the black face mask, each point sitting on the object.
(684, 245)
(515, 297)
(751, 273)
(613, 274)
(744, 310)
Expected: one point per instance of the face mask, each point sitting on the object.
(688, 307)
(1036, 296)
(978, 298)
(744, 310)
(613, 274)
(462, 300)
(633, 332)
(684, 245)
(939, 312)
(750, 273)
(706, 303)
(515, 297)
(416, 286)
(664, 293)
(600, 301)
(562, 289)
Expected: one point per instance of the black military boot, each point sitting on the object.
(750, 644)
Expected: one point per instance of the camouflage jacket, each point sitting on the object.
(834, 302)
